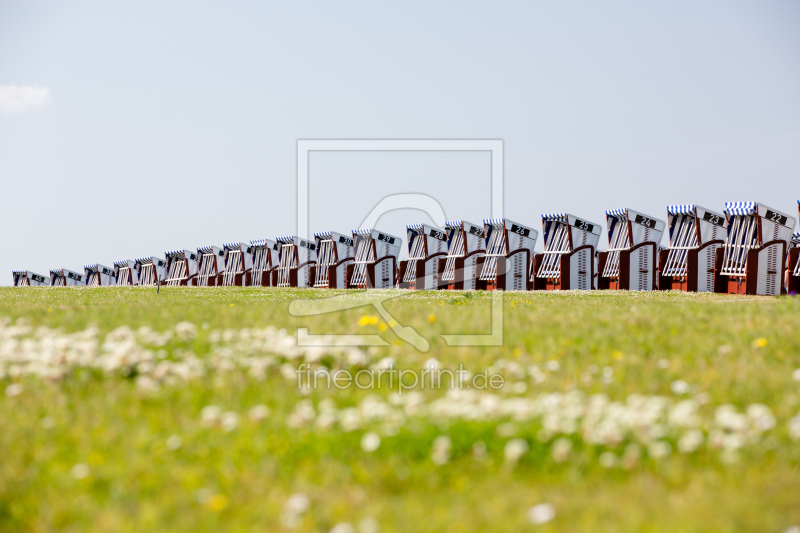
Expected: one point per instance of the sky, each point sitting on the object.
(131, 128)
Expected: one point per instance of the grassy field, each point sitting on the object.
(127, 410)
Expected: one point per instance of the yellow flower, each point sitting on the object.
(431, 318)
(368, 320)
(382, 326)
(760, 342)
(217, 502)
(231, 305)
(617, 354)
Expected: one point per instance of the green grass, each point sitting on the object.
(729, 350)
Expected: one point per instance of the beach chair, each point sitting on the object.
(26, 278)
(465, 247)
(695, 234)
(630, 263)
(99, 276)
(427, 245)
(181, 268)
(568, 260)
(211, 266)
(375, 260)
(753, 259)
(509, 250)
(297, 259)
(151, 270)
(334, 254)
(61, 277)
(125, 273)
(238, 264)
(265, 263)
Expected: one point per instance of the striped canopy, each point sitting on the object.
(363, 232)
(558, 217)
(453, 224)
(618, 213)
(495, 222)
(686, 209)
(741, 208)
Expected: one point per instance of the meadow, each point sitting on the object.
(123, 409)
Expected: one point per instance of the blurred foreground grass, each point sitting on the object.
(96, 451)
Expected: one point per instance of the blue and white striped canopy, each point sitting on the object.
(558, 217)
(796, 237)
(741, 208)
(57, 272)
(145, 260)
(206, 249)
(495, 222)
(323, 235)
(123, 263)
(414, 227)
(285, 239)
(453, 224)
(686, 209)
(91, 268)
(618, 213)
(176, 253)
(259, 242)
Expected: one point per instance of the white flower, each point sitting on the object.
(210, 415)
(185, 331)
(663, 364)
(659, 449)
(541, 513)
(794, 427)
(506, 430)
(229, 421)
(369, 525)
(14, 389)
(441, 450)
(370, 442)
(47, 422)
(258, 413)
(174, 442)
(690, 441)
(343, 527)
(796, 376)
(561, 449)
(679, 387)
(607, 459)
(80, 471)
(298, 503)
(760, 417)
(552, 366)
(515, 449)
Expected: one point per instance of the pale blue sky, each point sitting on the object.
(174, 124)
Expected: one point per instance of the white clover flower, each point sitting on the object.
(14, 389)
(258, 413)
(794, 427)
(515, 449)
(679, 387)
(561, 449)
(298, 503)
(440, 454)
(663, 364)
(796, 374)
(552, 366)
(369, 525)
(185, 331)
(343, 527)
(659, 449)
(760, 417)
(210, 415)
(541, 513)
(229, 421)
(607, 460)
(80, 471)
(174, 442)
(690, 441)
(370, 442)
